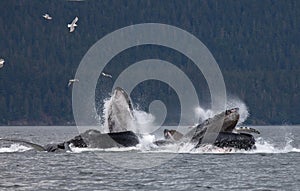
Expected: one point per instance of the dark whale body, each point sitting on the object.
(90, 138)
(235, 140)
(94, 139)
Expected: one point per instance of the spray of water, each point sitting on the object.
(204, 114)
(243, 109)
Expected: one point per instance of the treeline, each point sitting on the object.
(256, 44)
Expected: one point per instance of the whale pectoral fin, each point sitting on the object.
(33, 145)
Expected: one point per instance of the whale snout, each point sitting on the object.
(233, 110)
(232, 117)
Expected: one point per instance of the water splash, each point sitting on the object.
(144, 122)
(204, 114)
(267, 146)
(243, 109)
(146, 143)
(14, 148)
(104, 123)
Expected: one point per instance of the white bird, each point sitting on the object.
(1, 62)
(47, 16)
(73, 24)
(106, 75)
(71, 81)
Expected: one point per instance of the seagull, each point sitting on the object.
(1, 62)
(73, 24)
(71, 81)
(47, 16)
(106, 75)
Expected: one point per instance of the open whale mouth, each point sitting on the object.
(231, 119)
(120, 112)
(233, 110)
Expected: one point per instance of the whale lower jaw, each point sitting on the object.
(241, 141)
(234, 140)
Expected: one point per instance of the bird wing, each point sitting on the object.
(74, 21)
(106, 75)
(69, 83)
(72, 28)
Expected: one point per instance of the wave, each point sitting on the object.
(14, 148)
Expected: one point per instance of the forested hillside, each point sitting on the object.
(256, 44)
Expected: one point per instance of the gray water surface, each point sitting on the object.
(275, 167)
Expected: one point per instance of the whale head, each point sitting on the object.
(231, 118)
(120, 112)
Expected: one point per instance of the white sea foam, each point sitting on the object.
(113, 149)
(14, 148)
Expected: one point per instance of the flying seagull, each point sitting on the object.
(1, 62)
(73, 24)
(47, 16)
(71, 81)
(106, 75)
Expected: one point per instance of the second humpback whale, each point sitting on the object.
(223, 128)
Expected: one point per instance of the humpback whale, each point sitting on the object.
(120, 112)
(120, 122)
(120, 116)
(228, 135)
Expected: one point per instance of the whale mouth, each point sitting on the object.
(120, 113)
(231, 119)
(233, 110)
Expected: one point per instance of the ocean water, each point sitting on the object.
(274, 165)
